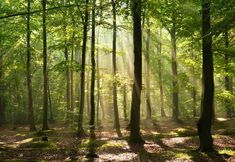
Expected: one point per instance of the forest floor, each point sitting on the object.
(165, 140)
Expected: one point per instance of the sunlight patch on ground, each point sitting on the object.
(221, 119)
(113, 143)
(227, 151)
(119, 157)
(172, 142)
(152, 147)
(25, 141)
(155, 133)
(183, 156)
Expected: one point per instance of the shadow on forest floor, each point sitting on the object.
(165, 140)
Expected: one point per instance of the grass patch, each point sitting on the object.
(183, 156)
(227, 151)
(42, 145)
(113, 144)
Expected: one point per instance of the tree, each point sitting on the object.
(205, 121)
(2, 102)
(92, 90)
(82, 74)
(174, 69)
(159, 52)
(29, 80)
(45, 80)
(227, 78)
(137, 86)
(148, 102)
(115, 105)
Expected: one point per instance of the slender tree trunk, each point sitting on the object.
(115, 105)
(137, 86)
(148, 102)
(51, 118)
(227, 80)
(194, 82)
(82, 96)
(71, 84)
(29, 81)
(2, 103)
(71, 71)
(194, 96)
(124, 102)
(67, 73)
(205, 121)
(92, 90)
(159, 52)
(88, 89)
(174, 71)
(97, 67)
(98, 87)
(45, 82)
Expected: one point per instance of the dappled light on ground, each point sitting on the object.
(177, 142)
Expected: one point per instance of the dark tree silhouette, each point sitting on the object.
(82, 96)
(115, 105)
(137, 86)
(205, 121)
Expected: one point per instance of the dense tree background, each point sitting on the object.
(131, 63)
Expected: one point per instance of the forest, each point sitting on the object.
(117, 80)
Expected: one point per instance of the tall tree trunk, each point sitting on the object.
(2, 103)
(174, 70)
(125, 102)
(71, 85)
(205, 121)
(194, 96)
(137, 86)
(97, 67)
(45, 82)
(98, 87)
(148, 101)
(159, 52)
(227, 80)
(82, 96)
(92, 90)
(71, 71)
(115, 105)
(51, 117)
(29, 81)
(194, 82)
(67, 73)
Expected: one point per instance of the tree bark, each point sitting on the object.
(227, 80)
(205, 121)
(51, 118)
(2, 102)
(159, 52)
(97, 67)
(45, 80)
(174, 70)
(68, 93)
(137, 86)
(82, 74)
(92, 90)
(29, 80)
(125, 102)
(148, 101)
(115, 105)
